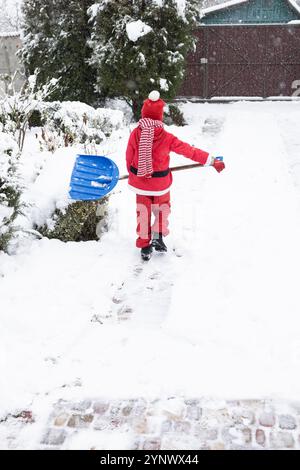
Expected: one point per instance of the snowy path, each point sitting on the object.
(248, 272)
(145, 295)
(91, 320)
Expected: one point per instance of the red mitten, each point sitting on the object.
(218, 165)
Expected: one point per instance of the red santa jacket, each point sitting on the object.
(163, 144)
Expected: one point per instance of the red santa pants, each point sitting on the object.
(145, 206)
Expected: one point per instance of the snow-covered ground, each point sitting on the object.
(218, 316)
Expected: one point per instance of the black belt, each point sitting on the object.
(155, 174)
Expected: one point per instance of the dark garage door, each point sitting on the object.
(260, 60)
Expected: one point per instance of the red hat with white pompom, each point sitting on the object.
(153, 107)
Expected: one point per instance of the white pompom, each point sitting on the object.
(154, 95)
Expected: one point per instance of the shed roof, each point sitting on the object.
(231, 3)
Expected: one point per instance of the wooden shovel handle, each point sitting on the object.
(174, 168)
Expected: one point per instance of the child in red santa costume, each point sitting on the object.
(148, 158)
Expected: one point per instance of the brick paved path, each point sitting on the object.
(174, 423)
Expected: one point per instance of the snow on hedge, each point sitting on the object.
(137, 29)
(90, 131)
(181, 5)
(9, 188)
(72, 122)
(96, 7)
(71, 112)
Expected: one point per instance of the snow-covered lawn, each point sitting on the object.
(218, 316)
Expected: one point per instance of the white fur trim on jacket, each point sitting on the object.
(210, 160)
(142, 192)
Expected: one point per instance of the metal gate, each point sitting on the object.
(248, 60)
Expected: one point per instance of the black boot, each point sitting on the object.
(158, 243)
(146, 253)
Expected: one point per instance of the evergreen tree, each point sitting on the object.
(10, 190)
(56, 42)
(139, 46)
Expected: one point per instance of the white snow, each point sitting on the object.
(163, 83)
(9, 34)
(142, 58)
(137, 29)
(5, 212)
(6, 142)
(50, 189)
(237, 98)
(10, 15)
(222, 6)
(95, 184)
(88, 439)
(218, 317)
(181, 5)
(94, 9)
(247, 278)
(295, 5)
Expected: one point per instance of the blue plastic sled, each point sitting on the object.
(93, 177)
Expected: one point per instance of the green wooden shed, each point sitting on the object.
(246, 48)
(252, 12)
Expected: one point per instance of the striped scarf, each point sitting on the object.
(145, 146)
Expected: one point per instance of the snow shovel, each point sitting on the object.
(94, 176)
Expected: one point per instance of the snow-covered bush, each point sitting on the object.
(66, 123)
(174, 115)
(140, 46)
(10, 189)
(16, 108)
(80, 221)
